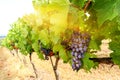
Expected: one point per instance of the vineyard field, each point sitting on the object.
(11, 68)
(64, 40)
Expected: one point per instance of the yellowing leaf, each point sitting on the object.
(44, 37)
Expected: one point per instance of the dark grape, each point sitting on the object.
(80, 56)
(79, 44)
(76, 64)
(73, 66)
(46, 52)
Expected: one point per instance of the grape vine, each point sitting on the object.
(61, 28)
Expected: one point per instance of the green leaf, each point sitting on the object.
(94, 45)
(24, 32)
(57, 47)
(117, 7)
(40, 55)
(35, 46)
(62, 2)
(62, 52)
(44, 37)
(40, 2)
(54, 38)
(116, 57)
(115, 47)
(115, 44)
(88, 64)
(106, 9)
(63, 55)
(80, 3)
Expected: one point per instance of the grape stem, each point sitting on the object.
(12, 53)
(86, 5)
(55, 67)
(35, 70)
(16, 52)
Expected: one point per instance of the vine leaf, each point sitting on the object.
(54, 38)
(115, 47)
(87, 63)
(79, 3)
(56, 48)
(63, 55)
(44, 37)
(62, 52)
(106, 9)
(36, 48)
(116, 57)
(40, 55)
(94, 45)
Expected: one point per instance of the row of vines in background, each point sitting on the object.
(0, 41)
(67, 30)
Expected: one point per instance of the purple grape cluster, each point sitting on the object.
(79, 45)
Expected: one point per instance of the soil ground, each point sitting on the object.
(13, 68)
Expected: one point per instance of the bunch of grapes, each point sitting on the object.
(79, 45)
